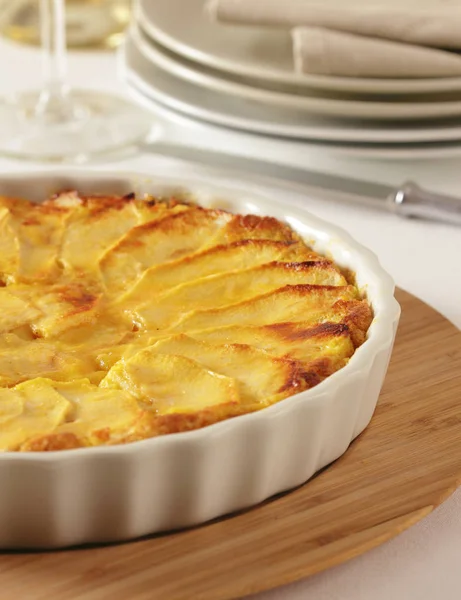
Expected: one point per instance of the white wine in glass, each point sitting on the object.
(58, 123)
(89, 23)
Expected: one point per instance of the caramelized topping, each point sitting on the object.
(126, 318)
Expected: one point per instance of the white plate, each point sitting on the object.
(259, 53)
(304, 103)
(178, 130)
(271, 148)
(207, 105)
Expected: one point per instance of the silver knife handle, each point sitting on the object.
(412, 201)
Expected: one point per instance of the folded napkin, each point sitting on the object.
(327, 52)
(429, 24)
(401, 38)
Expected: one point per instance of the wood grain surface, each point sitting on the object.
(395, 473)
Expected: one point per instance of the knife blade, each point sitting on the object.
(407, 200)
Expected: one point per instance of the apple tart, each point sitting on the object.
(125, 318)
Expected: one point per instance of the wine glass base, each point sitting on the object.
(97, 124)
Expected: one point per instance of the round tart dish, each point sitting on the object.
(173, 351)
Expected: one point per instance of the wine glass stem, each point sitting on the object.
(54, 103)
(53, 32)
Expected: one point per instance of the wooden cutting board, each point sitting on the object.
(395, 473)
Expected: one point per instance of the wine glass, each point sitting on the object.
(58, 123)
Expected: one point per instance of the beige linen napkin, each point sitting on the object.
(426, 22)
(327, 52)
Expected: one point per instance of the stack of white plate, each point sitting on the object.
(243, 78)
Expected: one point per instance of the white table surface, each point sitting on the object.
(423, 563)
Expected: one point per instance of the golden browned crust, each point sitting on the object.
(256, 227)
(182, 317)
(52, 442)
(358, 317)
(152, 426)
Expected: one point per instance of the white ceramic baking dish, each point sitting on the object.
(106, 494)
